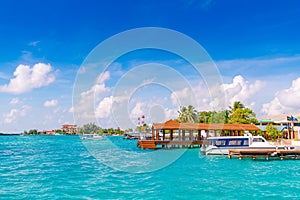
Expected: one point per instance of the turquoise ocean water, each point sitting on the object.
(60, 167)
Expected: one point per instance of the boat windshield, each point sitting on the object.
(258, 139)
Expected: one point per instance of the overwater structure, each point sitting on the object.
(173, 134)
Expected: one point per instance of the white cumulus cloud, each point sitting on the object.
(139, 109)
(97, 89)
(15, 113)
(183, 97)
(241, 90)
(224, 95)
(103, 109)
(14, 101)
(285, 101)
(51, 103)
(27, 78)
(84, 108)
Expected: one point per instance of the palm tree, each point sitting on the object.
(236, 105)
(181, 112)
(204, 117)
(241, 115)
(187, 114)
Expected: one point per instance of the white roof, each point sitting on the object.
(281, 118)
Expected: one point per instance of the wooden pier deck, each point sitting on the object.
(265, 153)
(169, 144)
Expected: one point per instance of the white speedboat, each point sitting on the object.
(221, 145)
(92, 137)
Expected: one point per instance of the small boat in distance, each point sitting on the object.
(137, 135)
(92, 137)
(221, 145)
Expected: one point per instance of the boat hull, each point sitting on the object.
(225, 151)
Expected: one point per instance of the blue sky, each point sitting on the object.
(255, 45)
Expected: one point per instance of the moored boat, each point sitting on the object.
(92, 137)
(221, 145)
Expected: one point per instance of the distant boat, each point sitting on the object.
(137, 135)
(92, 137)
(221, 145)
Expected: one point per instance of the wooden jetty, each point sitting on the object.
(170, 144)
(173, 134)
(265, 153)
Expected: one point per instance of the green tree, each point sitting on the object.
(236, 105)
(110, 131)
(272, 132)
(241, 115)
(187, 114)
(144, 128)
(90, 128)
(204, 117)
(118, 131)
(58, 131)
(220, 117)
(33, 132)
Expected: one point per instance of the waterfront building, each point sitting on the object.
(50, 132)
(69, 128)
(287, 124)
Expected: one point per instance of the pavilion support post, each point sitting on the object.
(199, 135)
(183, 135)
(164, 132)
(153, 134)
(179, 135)
(157, 135)
(190, 135)
(171, 135)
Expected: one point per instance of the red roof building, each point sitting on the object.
(69, 128)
